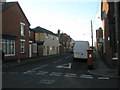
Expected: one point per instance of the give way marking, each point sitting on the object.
(68, 65)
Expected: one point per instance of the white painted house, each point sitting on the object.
(48, 42)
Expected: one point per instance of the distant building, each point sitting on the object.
(47, 41)
(16, 40)
(72, 42)
(99, 40)
(64, 43)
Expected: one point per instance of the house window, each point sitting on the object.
(29, 33)
(34, 48)
(46, 35)
(8, 46)
(22, 46)
(22, 25)
(53, 48)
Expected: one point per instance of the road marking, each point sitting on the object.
(57, 61)
(67, 57)
(55, 74)
(32, 70)
(44, 81)
(29, 72)
(103, 78)
(86, 76)
(70, 75)
(42, 73)
(64, 66)
(40, 67)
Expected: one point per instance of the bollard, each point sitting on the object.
(90, 59)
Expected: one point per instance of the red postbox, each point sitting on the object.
(90, 59)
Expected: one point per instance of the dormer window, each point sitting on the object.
(22, 25)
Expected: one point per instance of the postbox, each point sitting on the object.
(90, 59)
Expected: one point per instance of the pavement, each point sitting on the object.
(102, 69)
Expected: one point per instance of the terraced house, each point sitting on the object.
(47, 41)
(17, 41)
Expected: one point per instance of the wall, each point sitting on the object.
(12, 16)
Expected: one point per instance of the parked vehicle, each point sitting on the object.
(80, 49)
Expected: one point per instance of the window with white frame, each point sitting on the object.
(34, 48)
(22, 46)
(8, 46)
(22, 25)
(53, 48)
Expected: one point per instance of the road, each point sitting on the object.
(56, 72)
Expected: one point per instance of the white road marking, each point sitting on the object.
(65, 66)
(67, 57)
(40, 67)
(57, 61)
(103, 78)
(70, 75)
(42, 72)
(55, 74)
(86, 76)
(32, 70)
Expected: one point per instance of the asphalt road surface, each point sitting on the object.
(56, 72)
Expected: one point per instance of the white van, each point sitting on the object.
(80, 49)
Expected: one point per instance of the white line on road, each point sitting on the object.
(32, 70)
(68, 65)
(55, 74)
(42, 72)
(70, 75)
(40, 67)
(67, 57)
(58, 61)
(103, 78)
(86, 76)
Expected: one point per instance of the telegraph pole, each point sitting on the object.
(92, 33)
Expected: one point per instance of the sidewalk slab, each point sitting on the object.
(101, 69)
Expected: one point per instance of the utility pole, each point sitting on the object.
(92, 33)
(117, 24)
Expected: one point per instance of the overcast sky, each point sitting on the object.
(70, 16)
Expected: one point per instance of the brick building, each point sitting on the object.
(109, 32)
(17, 42)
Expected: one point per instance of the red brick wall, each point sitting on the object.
(12, 16)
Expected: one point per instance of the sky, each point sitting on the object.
(72, 17)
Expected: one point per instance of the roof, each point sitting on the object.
(8, 4)
(40, 29)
